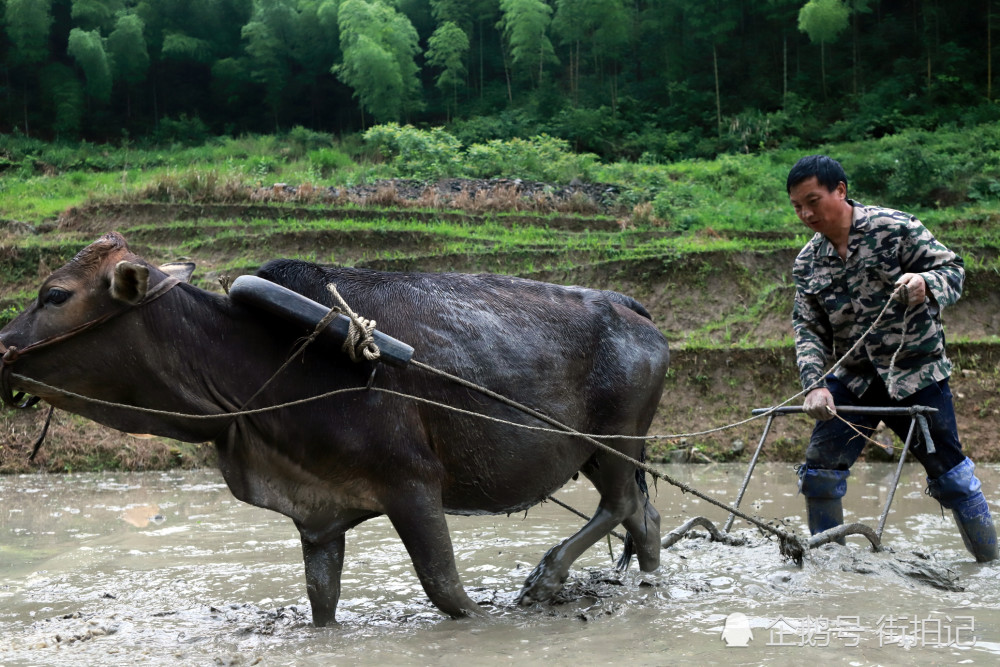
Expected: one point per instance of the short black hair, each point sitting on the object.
(828, 172)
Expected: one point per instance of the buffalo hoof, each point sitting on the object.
(541, 585)
(324, 621)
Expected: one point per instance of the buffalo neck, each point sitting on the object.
(189, 353)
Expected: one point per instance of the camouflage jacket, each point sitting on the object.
(836, 301)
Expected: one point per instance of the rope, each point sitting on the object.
(833, 369)
(41, 437)
(901, 294)
(359, 336)
(582, 515)
(858, 431)
(216, 415)
(790, 545)
(322, 324)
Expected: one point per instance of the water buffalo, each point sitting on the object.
(110, 326)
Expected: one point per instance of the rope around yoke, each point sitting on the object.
(359, 336)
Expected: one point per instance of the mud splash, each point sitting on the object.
(168, 568)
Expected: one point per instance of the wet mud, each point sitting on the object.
(168, 568)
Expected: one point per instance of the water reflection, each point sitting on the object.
(169, 567)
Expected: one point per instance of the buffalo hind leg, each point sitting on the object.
(620, 501)
(644, 529)
(549, 575)
(419, 519)
(324, 560)
(643, 525)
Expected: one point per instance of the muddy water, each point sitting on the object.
(168, 568)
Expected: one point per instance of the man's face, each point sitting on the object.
(821, 210)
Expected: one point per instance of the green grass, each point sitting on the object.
(938, 176)
(483, 237)
(733, 204)
(708, 227)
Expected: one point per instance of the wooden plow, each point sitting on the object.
(918, 419)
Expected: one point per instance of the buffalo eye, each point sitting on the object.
(56, 297)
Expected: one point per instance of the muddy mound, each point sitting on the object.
(496, 194)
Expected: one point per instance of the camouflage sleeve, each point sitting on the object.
(813, 337)
(941, 269)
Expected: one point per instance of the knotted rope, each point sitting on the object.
(360, 341)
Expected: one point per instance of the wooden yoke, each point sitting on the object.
(293, 307)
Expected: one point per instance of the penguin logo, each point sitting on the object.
(737, 632)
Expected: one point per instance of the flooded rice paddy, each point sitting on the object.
(168, 568)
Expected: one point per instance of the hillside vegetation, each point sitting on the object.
(641, 80)
(706, 246)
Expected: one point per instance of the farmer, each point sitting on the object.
(860, 259)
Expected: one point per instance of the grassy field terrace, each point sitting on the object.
(720, 292)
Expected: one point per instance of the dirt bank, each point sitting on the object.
(727, 310)
(709, 388)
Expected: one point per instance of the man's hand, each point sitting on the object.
(819, 404)
(916, 289)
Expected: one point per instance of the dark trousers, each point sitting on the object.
(834, 446)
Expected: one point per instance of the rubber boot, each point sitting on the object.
(960, 491)
(824, 490)
(975, 525)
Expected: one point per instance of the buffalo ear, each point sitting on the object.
(180, 270)
(130, 282)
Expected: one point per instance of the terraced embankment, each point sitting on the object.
(722, 302)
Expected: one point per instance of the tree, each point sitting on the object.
(471, 16)
(989, 50)
(782, 13)
(196, 31)
(179, 46)
(446, 49)
(603, 25)
(525, 24)
(28, 24)
(95, 14)
(127, 48)
(316, 46)
(379, 46)
(269, 35)
(857, 7)
(712, 22)
(87, 49)
(63, 95)
(823, 20)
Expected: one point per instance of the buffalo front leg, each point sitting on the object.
(324, 560)
(419, 519)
